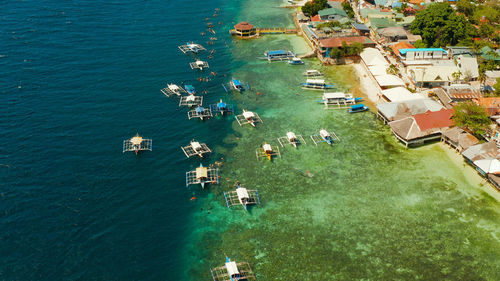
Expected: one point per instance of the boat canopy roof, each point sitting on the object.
(291, 135)
(336, 95)
(189, 87)
(242, 192)
(221, 104)
(201, 172)
(196, 145)
(232, 269)
(236, 83)
(248, 114)
(358, 106)
(315, 81)
(267, 147)
(190, 98)
(277, 53)
(173, 87)
(200, 109)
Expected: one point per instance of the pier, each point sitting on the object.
(246, 30)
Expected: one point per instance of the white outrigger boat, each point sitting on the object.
(339, 100)
(325, 136)
(248, 117)
(316, 84)
(137, 143)
(198, 64)
(222, 107)
(312, 73)
(278, 55)
(241, 196)
(202, 175)
(232, 271)
(195, 148)
(292, 139)
(200, 112)
(173, 89)
(267, 151)
(191, 100)
(191, 47)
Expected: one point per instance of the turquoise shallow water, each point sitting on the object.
(81, 77)
(370, 209)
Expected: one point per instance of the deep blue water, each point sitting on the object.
(77, 78)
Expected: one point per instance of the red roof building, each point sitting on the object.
(244, 29)
(434, 119)
(401, 45)
(244, 26)
(492, 105)
(316, 18)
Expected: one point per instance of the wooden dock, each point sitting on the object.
(269, 30)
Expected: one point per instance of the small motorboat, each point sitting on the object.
(358, 108)
(295, 61)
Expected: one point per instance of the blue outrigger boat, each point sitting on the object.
(222, 107)
(316, 84)
(190, 89)
(236, 85)
(358, 108)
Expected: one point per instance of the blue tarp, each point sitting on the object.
(237, 83)
(357, 106)
(397, 4)
(200, 109)
(277, 52)
(404, 51)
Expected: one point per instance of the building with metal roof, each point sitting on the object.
(332, 14)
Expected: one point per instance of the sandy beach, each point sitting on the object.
(367, 85)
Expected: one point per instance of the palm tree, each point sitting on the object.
(393, 69)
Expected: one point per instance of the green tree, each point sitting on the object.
(439, 26)
(497, 87)
(472, 117)
(419, 44)
(456, 75)
(348, 9)
(353, 49)
(336, 53)
(466, 7)
(392, 70)
(313, 7)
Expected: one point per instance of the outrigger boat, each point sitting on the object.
(358, 108)
(279, 55)
(292, 139)
(316, 84)
(191, 47)
(173, 89)
(312, 73)
(137, 143)
(236, 85)
(195, 148)
(200, 112)
(241, 196)
(325, 136)
(222, 107)
(295, 61)
(339, 99)
(248, 117)
(198, 64)
(190, 89)
(268, 151)
(202, 175)
(232, 271)
(191, 100)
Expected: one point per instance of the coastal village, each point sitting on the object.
(423, 92)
